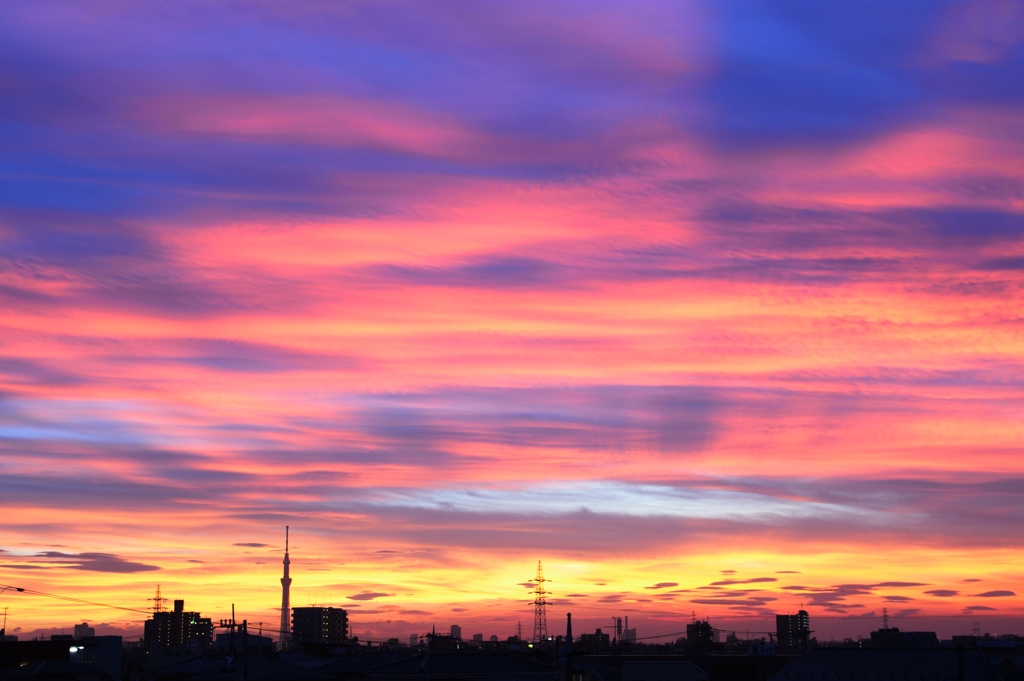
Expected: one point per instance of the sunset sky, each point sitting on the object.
(714, 307)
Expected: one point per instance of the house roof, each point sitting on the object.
(221, 668)
(465, 663)
(67, 671)
(869, 664)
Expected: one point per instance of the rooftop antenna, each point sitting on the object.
(885, 618)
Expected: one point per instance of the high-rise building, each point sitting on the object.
(456, 631)
(700, 634)
(793, 631)
(286, 602)
(82, 630)
(319, 625)
(178, 627)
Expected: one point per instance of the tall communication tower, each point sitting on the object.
(286, 607)
(540, 602)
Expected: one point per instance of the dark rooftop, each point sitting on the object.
(868, 664)
(466, 663)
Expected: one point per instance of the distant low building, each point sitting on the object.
(239, 643)
(443, 642)
(989, 642)
(178, 627)
(598, 641)
(318, 625)
(894, 638)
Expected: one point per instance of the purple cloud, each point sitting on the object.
(368, 596)
(92, 562)
(755, 580)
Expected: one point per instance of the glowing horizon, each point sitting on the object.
(691, 295)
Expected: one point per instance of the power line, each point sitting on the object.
(71, 599)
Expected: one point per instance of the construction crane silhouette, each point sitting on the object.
(617, 624)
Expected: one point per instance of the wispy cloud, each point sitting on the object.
(658, 292)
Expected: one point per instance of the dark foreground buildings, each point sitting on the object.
(88, 658)
(871, 664)
(241, 657)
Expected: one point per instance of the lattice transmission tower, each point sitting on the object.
(540, 602)
(158, 602)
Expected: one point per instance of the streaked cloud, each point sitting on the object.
(693, 292)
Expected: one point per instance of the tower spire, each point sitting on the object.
(286, 606)
(568, 647)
